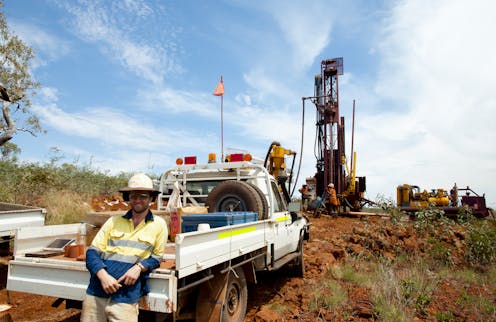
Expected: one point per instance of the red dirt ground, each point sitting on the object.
(279, 297)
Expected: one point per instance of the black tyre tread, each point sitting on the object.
(265, 203)
(249, 199)
(298, 268)
(237, 281)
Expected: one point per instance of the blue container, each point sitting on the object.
(216, 219)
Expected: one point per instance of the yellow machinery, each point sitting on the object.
(411, 196)
(410, 199)
(276, 165)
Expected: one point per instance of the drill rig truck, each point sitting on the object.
(331, 162)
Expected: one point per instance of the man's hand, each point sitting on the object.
(131, 276)
(110, 285)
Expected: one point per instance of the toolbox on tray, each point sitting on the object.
(216, 219)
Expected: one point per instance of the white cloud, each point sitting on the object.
(263, 86)
(48, 47)
(167, 100)
(115, 29)
(306, 26)
(48, 94)
(437, 75)
(137, 7)
(113, 128)
(264, 124)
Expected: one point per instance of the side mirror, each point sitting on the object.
(294, 216)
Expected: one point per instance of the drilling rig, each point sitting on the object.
(331, 162)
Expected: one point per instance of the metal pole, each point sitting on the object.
(222, 125)
(352, 136)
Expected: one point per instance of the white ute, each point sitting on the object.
(205, 275)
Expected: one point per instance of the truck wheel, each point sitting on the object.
(265, 203)
(224, 298)
(298, 268)
(236, 297)
(234, 196)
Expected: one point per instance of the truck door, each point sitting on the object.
(284, 233)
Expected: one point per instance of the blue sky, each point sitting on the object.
(127, 85)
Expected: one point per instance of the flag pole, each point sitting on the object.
(219, 91)
(222, 124)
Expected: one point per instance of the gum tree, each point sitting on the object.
(16, 85)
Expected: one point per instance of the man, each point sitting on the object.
(454, 196)
(121, 256)
(305, 196)
(333, 199)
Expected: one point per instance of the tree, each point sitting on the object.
(9, 152)
(16, 85)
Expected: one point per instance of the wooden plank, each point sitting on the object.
(361, 213)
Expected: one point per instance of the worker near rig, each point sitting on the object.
(333, 198)
(305, 197)
(121, 256)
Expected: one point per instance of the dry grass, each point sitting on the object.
(65, 207)
(392, 293)
(329, 295)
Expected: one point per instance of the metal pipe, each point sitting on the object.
(272, 256)
(200, 281)
(225, 270)
(352, 136)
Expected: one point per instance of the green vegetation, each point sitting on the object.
(16, 85)
(329, 295)
(481, 243)
(447, 271)
(65, 190)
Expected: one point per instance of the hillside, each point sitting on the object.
(369, 268)
(357, 269)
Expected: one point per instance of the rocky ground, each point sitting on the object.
(353, 241)
(334, 242)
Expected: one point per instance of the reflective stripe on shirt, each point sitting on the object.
(119, 236)
(120, 258)
(131, 243)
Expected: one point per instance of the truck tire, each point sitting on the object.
(298, 266)
(265, 203)
(224, 298)
(234, 309)
(234, 195)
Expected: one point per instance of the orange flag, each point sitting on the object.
(219, 89)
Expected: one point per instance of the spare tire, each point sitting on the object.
(235, 196)
(265, 213)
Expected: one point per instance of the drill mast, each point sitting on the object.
(329, 145)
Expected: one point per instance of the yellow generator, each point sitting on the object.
(410, 196)
(410, 199)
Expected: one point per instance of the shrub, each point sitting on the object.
(328, 296)
(481, 243)
(62, 189)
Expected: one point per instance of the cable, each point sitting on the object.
(301, 145)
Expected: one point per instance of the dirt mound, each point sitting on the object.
(111, 203)
(341, 241)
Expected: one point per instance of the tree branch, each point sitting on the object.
(10, 127)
